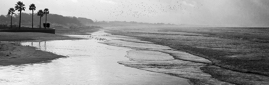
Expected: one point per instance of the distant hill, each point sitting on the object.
(52, 18)
(67, 21)
(125, 23)
(85, 21)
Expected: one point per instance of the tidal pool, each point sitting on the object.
(88, 63)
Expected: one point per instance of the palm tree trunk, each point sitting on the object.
(11, 21)
(40, 23)
(32, 18)
(20, 21)
(46, 21)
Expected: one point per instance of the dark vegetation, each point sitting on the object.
(62, 24)
(14, 22)
(52, 18)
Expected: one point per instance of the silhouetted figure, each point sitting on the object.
(46, 25)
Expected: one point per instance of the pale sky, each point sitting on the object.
(192, 12)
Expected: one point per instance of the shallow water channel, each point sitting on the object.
(88, 63)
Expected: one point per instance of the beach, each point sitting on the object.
(134, 42)
(12, 53)
(237, 55)
(189, 54)
(87, 61)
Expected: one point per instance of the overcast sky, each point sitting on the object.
(192, 12)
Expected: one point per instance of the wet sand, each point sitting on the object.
(145, 55)
(214, 46)
(15, 54)
(12, 53)
(88, 62)
(158, 58)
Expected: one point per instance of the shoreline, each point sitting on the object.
(157, 58)
(16, 54)
(217, 71)
(84, 57)
(12, 53)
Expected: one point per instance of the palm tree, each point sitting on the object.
(20, 7)
(41, 14)
(46, 12)
(11, 12)
(32, 7)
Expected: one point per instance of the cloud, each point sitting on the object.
(75, 1)
(202, 12)
(108, 1)
(190, 3)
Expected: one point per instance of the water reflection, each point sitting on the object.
(40, 45)
(89, 62)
